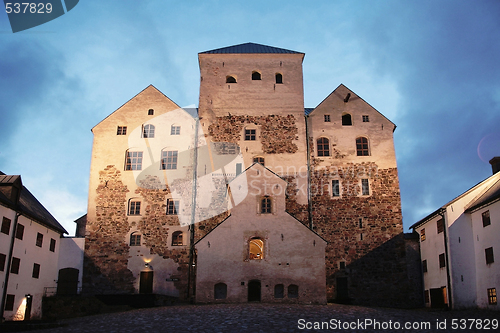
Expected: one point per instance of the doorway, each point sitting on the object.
(342, 290)
(438, 297)
(67, 281)
(254, 291)
(146, 283)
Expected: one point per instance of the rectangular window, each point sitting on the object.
(172, 207)
(133, 160)
(365, 187)
(492, 296)
(422, 235)
(52, 247)
(360, 222)
(336, 188)
(327, 118)
(14, 266)
(366, 119)
(39, 240)
(489, 255)
(6, 225)
(440, 226)
(250, 134)
(134, 208)
(442, 261)
(424, 266)
(121, 130)
(19, 231)
(342, 265)
(135, 239)
(175, 130)
(238, 168)
(3, 258)
(486, 218)
(9, 302)
(36, 271)
(169, 160)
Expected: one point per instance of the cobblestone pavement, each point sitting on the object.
(257, 318)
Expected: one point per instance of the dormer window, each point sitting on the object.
(230, 79)
(256, 75)
(279, 78)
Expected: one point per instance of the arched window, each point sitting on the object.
(135, 239)
(279, 78)
(362, 147)
(230, 79)
(220, 291)
(323, 147)
(256, 75)
(346, 120)
(177, 238)
(256, 248)
(266, 205)
(293, 291)
(258, 159)
(148, 131)
(279, 291)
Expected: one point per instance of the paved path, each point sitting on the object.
(257, 318)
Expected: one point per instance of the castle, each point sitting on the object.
(251, 196)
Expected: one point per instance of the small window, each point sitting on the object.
(133, 160)
(489, 255)
(360, 224)
(424, 266)
(266, 205)
(256, 75)
(177, 239)
(366, 119)
(220, 291)
(362, 147)
(122, 130)
(230, 79)
(36, 271)
(486, 218)
(342, 265)
(3, 258)
(134, 208)
(327, 118)
(279, 291)
(279, 78)
(427, 296)
(39, 240)
(135, 239)
(52, 247)
(239, 168)
(250, 134)
(442, 261)
(365, 187)
(440, 226)
(169, 159)
(293, 291)
(336, 188)
(9, 302)
(259, 159)
(20, 231)
(6, 225)
(175, 130)
(151, 112)
(346, 120)
(422, 235)
(172, 207)
(492, 296)
(148, 131)
(323, 147)
(14, 266)
(256, 249)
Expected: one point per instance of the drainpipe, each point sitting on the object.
(9, 261)
(442, 212)
(309, 203)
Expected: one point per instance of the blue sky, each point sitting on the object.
(432, 67)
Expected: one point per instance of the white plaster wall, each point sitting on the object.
(71, 255)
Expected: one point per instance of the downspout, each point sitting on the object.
(9, 261)
(309, 203)
(191, 268)
(442, 212)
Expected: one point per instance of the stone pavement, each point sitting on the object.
(256, 317)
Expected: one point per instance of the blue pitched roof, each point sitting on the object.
(249, 48)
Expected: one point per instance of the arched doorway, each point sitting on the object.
(67, 282)
(254, 291)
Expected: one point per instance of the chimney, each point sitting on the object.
(495, 164)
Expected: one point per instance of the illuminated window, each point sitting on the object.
(177, 238)
(20, 231)
(134, 208)
(148, 131)
(36, 271)
(121, 130)
(422, 235)
(323, 147)
(135, 239)
(39, 240)
(256, 248)
(486, 218)
(256, 75)
(346, 120)
(133, 160)
(362, 147)
(293, 291)
(279, 291)
(279, 78)
(169, 159)
(492, 296)
(6, 226)
(266, 205)
(250, 134)
(230, 79)
(172, 207)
